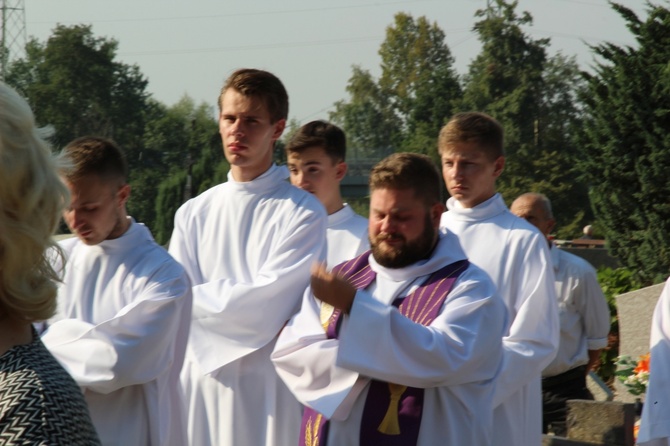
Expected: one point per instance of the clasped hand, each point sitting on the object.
(331, 288)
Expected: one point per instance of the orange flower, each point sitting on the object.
(642, 364)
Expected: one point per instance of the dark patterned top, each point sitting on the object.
(40, 404)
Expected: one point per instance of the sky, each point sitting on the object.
(190, 47)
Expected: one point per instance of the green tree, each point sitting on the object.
(534, 97)
(188, 138)
(414, 95)
(417, 73)
(626, 143)
(367, 117)
(74, 84)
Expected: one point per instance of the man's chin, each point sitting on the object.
(389, 258)
(88, 238)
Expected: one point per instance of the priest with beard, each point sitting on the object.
(398, 346)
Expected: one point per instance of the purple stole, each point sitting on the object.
(392, 413)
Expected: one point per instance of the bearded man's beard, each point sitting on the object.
(408, 252)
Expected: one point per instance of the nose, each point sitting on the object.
(301, 179)
(456, 170)
(236, 128)
(387, 225)
(75, 219)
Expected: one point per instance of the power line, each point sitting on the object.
(242, 14)
(260, 46)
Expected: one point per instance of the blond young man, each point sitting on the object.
(516, 257)
(316, 162)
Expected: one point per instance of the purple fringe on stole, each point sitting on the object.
(421, 306)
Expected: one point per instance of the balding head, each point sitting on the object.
(536, 209)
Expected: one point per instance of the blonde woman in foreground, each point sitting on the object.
(39, 401)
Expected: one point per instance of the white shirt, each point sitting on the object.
(655, 423)
(347, 236)
(583, 312)
(248, 248)
(454, 359)
(120, 330)
(516, 256)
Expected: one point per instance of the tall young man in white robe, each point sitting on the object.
(247, 245)
(316, 162)
(408, 354)
(583, 314)
(516, 257)
(123, 308)
(655, 421)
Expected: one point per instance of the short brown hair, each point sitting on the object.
(260, 84)
(320, 134)
(93, 155)
(405, 171)
(476, 127)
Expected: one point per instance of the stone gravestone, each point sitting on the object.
(635, 310)
(608, 423)
(596, 423)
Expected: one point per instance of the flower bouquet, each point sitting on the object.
(633, 374)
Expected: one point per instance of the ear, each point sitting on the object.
(279, 128)
(551, 224)
(499, 165)
(340, 170)
(123, 194)
(436, 212)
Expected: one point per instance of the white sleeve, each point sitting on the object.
(461, 345)
(593, 308)
(533, 337)
(233, 319)
(180, 247)
(305, 360)
(135, 346)
(655, 423)
(376, 340)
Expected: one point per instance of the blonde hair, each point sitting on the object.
(32, 197)
(475, 127)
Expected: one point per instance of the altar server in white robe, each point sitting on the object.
(335, 361)
(123, 308)
(247, 246)
(316, 162)
(655, 421)
(515, 254)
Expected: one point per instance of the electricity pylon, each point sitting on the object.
(12, 32)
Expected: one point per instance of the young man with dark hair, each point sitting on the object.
(316, 162)
(123, 308)
(408, 355)
(516, 257)
(247, 245)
